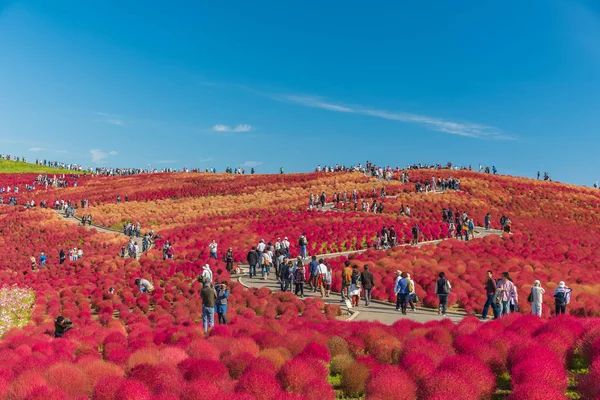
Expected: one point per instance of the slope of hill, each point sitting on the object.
(14, 167)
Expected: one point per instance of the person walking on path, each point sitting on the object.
(356, 285)
(265, 265)
(442, 290)
(260, 248)
(368, 283)
(535, 298)
(324, 271)
(252, 259)
(562, 297)
(507, 291)
(346, 280)
(221, 302)
(490, 290)
(299, 278)
(412, 297)
(486, 221)
(212, 247)
(314, 273)
(209, 299)
(402, 290)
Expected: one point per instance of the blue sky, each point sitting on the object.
(202, 84)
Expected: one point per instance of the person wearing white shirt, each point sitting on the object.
(267, 260)
(286, 245)
(260, 249)
(537, 292)
(411, 295)
(322, 278)
(213, 250)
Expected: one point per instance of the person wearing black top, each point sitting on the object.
(252, 258)
(62, 325)
(490, 290)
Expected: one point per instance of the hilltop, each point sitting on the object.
(17, 167)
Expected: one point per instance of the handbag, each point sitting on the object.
(530, 297)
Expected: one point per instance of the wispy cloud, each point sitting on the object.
(251, 164)
(237, 128)
(99, 155)
(203, 160)
(467, 129)
(110, 119)
(167, 161)
(43, 149)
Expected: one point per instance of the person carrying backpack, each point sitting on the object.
(442, 290)
(562, 297)
(346, 280)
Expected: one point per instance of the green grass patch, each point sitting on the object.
(14, 167)
(16, 306)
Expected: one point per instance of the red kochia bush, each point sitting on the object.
(479, 375)
(296, 374)
(317, 351)
(589, 386)
(133, 390)
(447, 386)
(106, 387)
(263, 387)
(418, 366)
(391, 384)
(541, 372)
(207, 370)
(534, 391)
(69, 378)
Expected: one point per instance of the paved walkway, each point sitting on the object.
(102, 229)
(383, 312)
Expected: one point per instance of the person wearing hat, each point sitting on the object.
(285, 245)
(535, 298)
(562, 297)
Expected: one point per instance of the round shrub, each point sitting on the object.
(261, 386)
(354, 379)
(340, 363)
(391, 385)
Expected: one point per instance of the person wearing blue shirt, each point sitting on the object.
(314, 273)
(43, 259)
(221, 306)
(402, 291)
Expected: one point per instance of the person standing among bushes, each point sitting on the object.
(368, 283)
(62, 256)
(535, 298)
(43, 259)
(252, 259)
(442, 290)
(299, 278)
(303, 242)
(415, 233)
(212, 247)
(207, 275)
(346, 280)
(33, 263)
(221, 302)
(507, 291)
(486, 221)
(229, 259)
(562, 297)
(402, 290)
(209, 298)
(490, 290)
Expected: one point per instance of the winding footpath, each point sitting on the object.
(377, 311)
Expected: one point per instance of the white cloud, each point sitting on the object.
(110, 119)
(251, 164)
(99, 155)
(221, 128)
(40, 149)
(467, 129)
(237, 128)
(242, 128)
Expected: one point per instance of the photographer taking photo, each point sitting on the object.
(62, 325)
